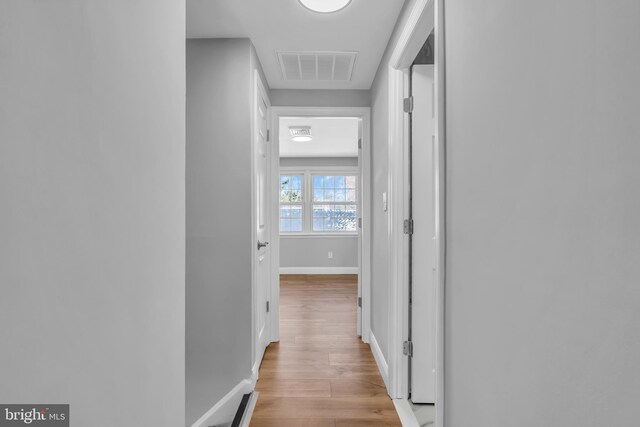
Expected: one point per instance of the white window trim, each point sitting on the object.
(307, 198)
(303, 203)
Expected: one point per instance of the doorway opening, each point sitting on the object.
(319, 365)
(320, 177)
(319, 213)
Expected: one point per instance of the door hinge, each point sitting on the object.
(359, 222)
(408, 104)
(267, 306)
(359, 143)
(408, 226)
(407, 348)
(268, 135)
(359, 301)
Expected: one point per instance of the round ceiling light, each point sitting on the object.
(302, 138)
(325, 6)
(300, 133)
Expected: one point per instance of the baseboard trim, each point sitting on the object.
(405, 413)
(225, 408)
(319, 270)
(255, 369)
(383, 367)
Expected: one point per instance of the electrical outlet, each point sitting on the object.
(330, 255)
(384, 201)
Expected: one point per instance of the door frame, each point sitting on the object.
(257, 353)
(363, 113)
(425, 16)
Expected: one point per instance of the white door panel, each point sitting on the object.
(423, 311)
(262, 250)
(360, 208)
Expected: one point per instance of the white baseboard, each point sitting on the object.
(383, 367)
(255, 370)
(405, 413)
(319, 270)
(225, 409)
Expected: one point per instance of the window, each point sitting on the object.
(334, 203)
(291, 207)
(318, 202)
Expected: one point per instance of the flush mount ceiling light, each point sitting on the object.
(325, 6)
(300, 133)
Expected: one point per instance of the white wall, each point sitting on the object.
(92, 153)
(543, 213)
(219, 249)
(305, 252)
(320, 98)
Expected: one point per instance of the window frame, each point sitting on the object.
(334, 203)
(307, 197)
(302, 203)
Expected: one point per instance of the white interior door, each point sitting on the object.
(360, 209)
(262, 250)
(423, 249)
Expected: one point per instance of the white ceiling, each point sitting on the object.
(332, 137)
(363, 26)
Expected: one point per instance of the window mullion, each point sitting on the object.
(308, 200)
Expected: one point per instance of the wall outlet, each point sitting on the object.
(384, 201)
(330, 255)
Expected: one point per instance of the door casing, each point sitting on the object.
(424, 17)
(364, 114)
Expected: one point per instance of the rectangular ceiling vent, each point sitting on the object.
(317, 66)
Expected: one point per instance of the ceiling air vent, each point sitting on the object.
(300, 133)
(317, 66)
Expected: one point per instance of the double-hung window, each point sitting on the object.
(291, 203)
(318, 202)
(334, 206)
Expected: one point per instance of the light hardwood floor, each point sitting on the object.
(320, 373)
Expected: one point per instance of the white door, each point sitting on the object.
(261, 249)
(360, 208)
(423, 248)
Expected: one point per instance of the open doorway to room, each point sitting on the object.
(320, 164)
(319, 223)
(319, 364)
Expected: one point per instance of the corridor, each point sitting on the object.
(320, 373)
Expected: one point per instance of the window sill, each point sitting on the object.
(316, 235)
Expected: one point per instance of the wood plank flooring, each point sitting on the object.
(320, 373)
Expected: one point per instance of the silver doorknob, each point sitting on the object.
(262, 244)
